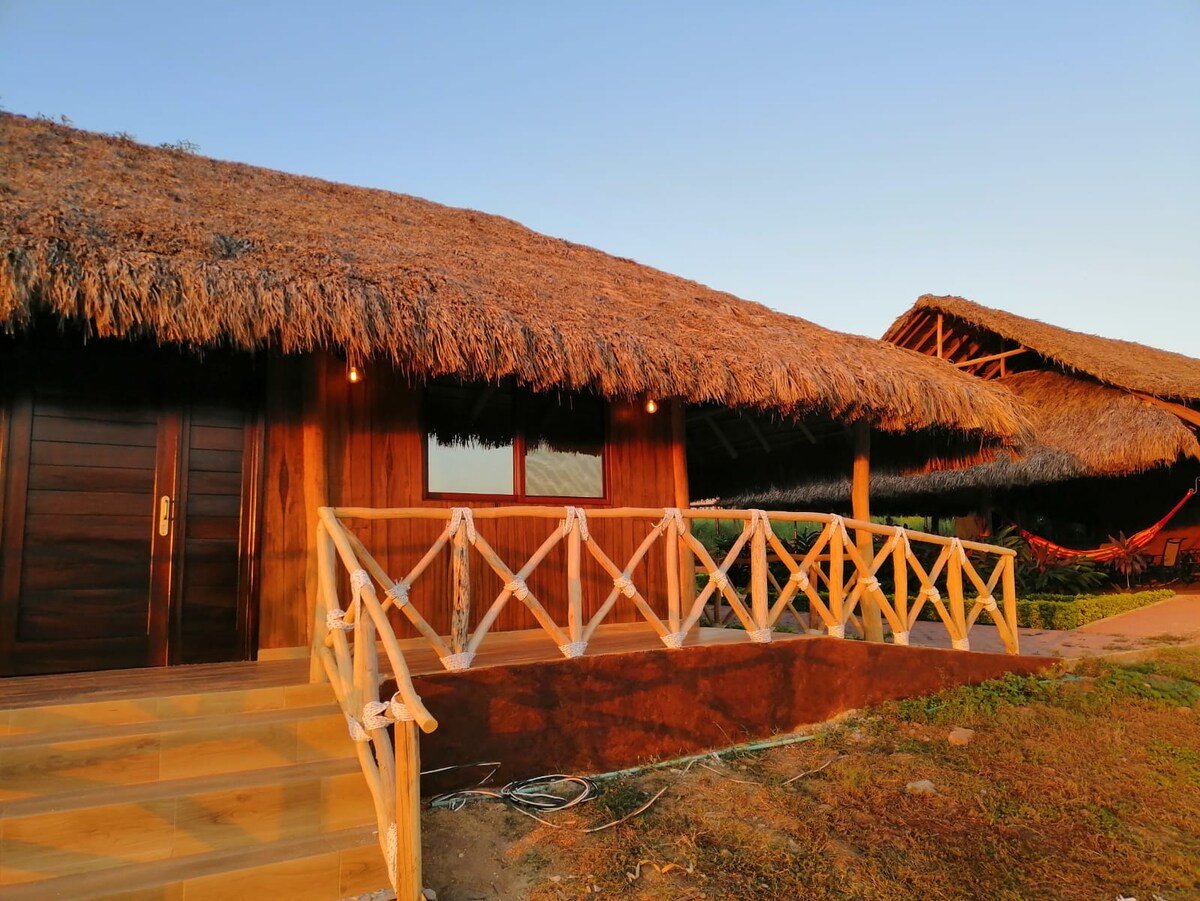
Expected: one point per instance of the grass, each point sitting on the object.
(1082, 786)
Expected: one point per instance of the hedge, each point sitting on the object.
(1072, 611)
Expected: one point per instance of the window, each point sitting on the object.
(504, 441)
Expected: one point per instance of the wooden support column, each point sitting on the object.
(1008, 584)
(860, 501)
(316, 490)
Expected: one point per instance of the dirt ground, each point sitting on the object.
(1085, 786)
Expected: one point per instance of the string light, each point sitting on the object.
(651, 405)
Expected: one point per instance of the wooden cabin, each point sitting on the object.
(207, 369)
(200, 353)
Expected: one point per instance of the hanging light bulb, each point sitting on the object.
(651, 405)
(353, 375)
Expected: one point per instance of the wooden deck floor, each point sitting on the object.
(498, 649)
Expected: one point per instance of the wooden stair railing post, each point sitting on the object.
(407, 875)
(759, 602)
(860, 500)
(460, 571)
(321, 603)
(575, 581)
(1008, 584)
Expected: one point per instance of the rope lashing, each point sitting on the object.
(357, 733)
(399, 594)
(837, 524)
(456, 663)
(399, 710)
(336, 619)
(961, 644)
(673, 516)
(800, 577)
(373, 715)
(573, 648)
(869, 583)
(626, 587)
(576, 514)
(901, 536)
(674, 640)
(838, 631)
(760, 636)
(900, 638)
(461, 517)
(720, 579)
(930, 592)
(393, 849)
(956, 547)
(989, 604)
(760, 518)
(517, 588)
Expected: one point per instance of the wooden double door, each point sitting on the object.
(130, 486)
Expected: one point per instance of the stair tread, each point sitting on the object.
(132, 877)
(168, 724)
(141, 792)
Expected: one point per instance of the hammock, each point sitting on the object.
(1109, 551)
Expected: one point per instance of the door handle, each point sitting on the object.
(165, 515)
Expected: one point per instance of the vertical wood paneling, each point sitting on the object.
(375, 458)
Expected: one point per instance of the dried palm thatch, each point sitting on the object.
(1083, 430)
(132, 240)
(1124, 364)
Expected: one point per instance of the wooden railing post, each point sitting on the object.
(321, 602)
(460, 570)
(900, 578)
(671, 542)
(574, 582)
(837, 563)
(1008, 584)
(958, 607)
(407, 861)
(759, 603)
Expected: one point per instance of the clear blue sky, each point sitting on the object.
(830, 159)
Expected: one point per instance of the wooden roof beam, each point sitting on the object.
(990, 357)
(710, 418)
(1187, 414)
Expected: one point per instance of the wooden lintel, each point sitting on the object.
(716, 429)
(991, 357)
(1187, 414)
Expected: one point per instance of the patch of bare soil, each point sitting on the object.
(1086, 787)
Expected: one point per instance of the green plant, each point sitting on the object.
(1130, 559)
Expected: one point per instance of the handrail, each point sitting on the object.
(837, 575)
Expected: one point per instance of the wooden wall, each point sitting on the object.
(374, 457)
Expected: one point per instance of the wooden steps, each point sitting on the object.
(240, 792)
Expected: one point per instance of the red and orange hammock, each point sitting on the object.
(1109, 551)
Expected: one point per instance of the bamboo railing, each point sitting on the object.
(835, 574)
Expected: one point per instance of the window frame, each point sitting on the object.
(518, 461)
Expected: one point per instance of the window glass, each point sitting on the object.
(564, 446)
(469, 439)
(492, 439)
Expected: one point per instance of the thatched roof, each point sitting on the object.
(1123, 364)
(1083, 430)
(133, 240)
